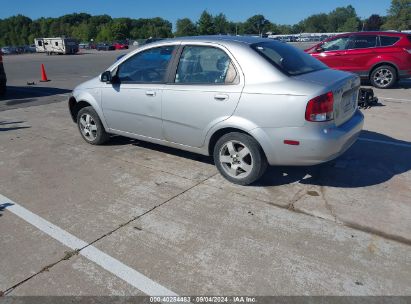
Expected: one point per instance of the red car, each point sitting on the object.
(380, 57)
(120, 46)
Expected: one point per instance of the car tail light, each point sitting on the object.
(320, 108)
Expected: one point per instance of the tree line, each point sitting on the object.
(21, 30)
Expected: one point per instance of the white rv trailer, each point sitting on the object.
(56, 45)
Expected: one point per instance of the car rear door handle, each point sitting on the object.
(221, 97)
(150, 93)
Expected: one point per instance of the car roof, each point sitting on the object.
(222, 39)
(219, 38)
(380, 33)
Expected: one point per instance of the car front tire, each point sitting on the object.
(90, 126)
(239, 158)
(383, 77)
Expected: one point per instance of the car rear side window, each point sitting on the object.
(388, 40)
(288, 59)
(362, 42)
(205, 65)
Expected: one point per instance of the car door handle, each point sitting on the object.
(150, 93)
(221, 97)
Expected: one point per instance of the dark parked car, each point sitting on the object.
(105, 47)
(30, 48)
(380, 57)
(84, 46)
(7, 50)
(3, 78)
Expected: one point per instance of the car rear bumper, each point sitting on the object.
(318, 143)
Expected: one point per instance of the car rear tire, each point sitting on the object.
(90, 126)
(383, 77)
(239, 158)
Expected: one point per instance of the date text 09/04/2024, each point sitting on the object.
(202, 299)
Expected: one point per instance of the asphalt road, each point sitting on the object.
(64, 73)
(132, 218)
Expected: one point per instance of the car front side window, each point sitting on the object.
(336, 44)
(205, 65)
(148, 66)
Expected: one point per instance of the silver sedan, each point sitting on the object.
(248, 102)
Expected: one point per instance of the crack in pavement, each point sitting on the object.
(328, 206)
(69, 254)
(297, 196)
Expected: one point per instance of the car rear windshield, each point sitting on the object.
(288, 59)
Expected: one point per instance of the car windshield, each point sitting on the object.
(288, 59)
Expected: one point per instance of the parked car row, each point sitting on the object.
(104, 46)
(8, 50)
(297, 38)
(312, 39)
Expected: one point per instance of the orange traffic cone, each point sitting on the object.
(43, 74)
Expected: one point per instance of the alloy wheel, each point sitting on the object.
(236, 159)
(88, 127)
(383, 77)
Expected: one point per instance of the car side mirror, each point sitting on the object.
(319, 49)
(106, 77)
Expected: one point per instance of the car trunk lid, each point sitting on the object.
(344, 87)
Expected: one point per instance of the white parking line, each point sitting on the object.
(130, 275)
(385, 142)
